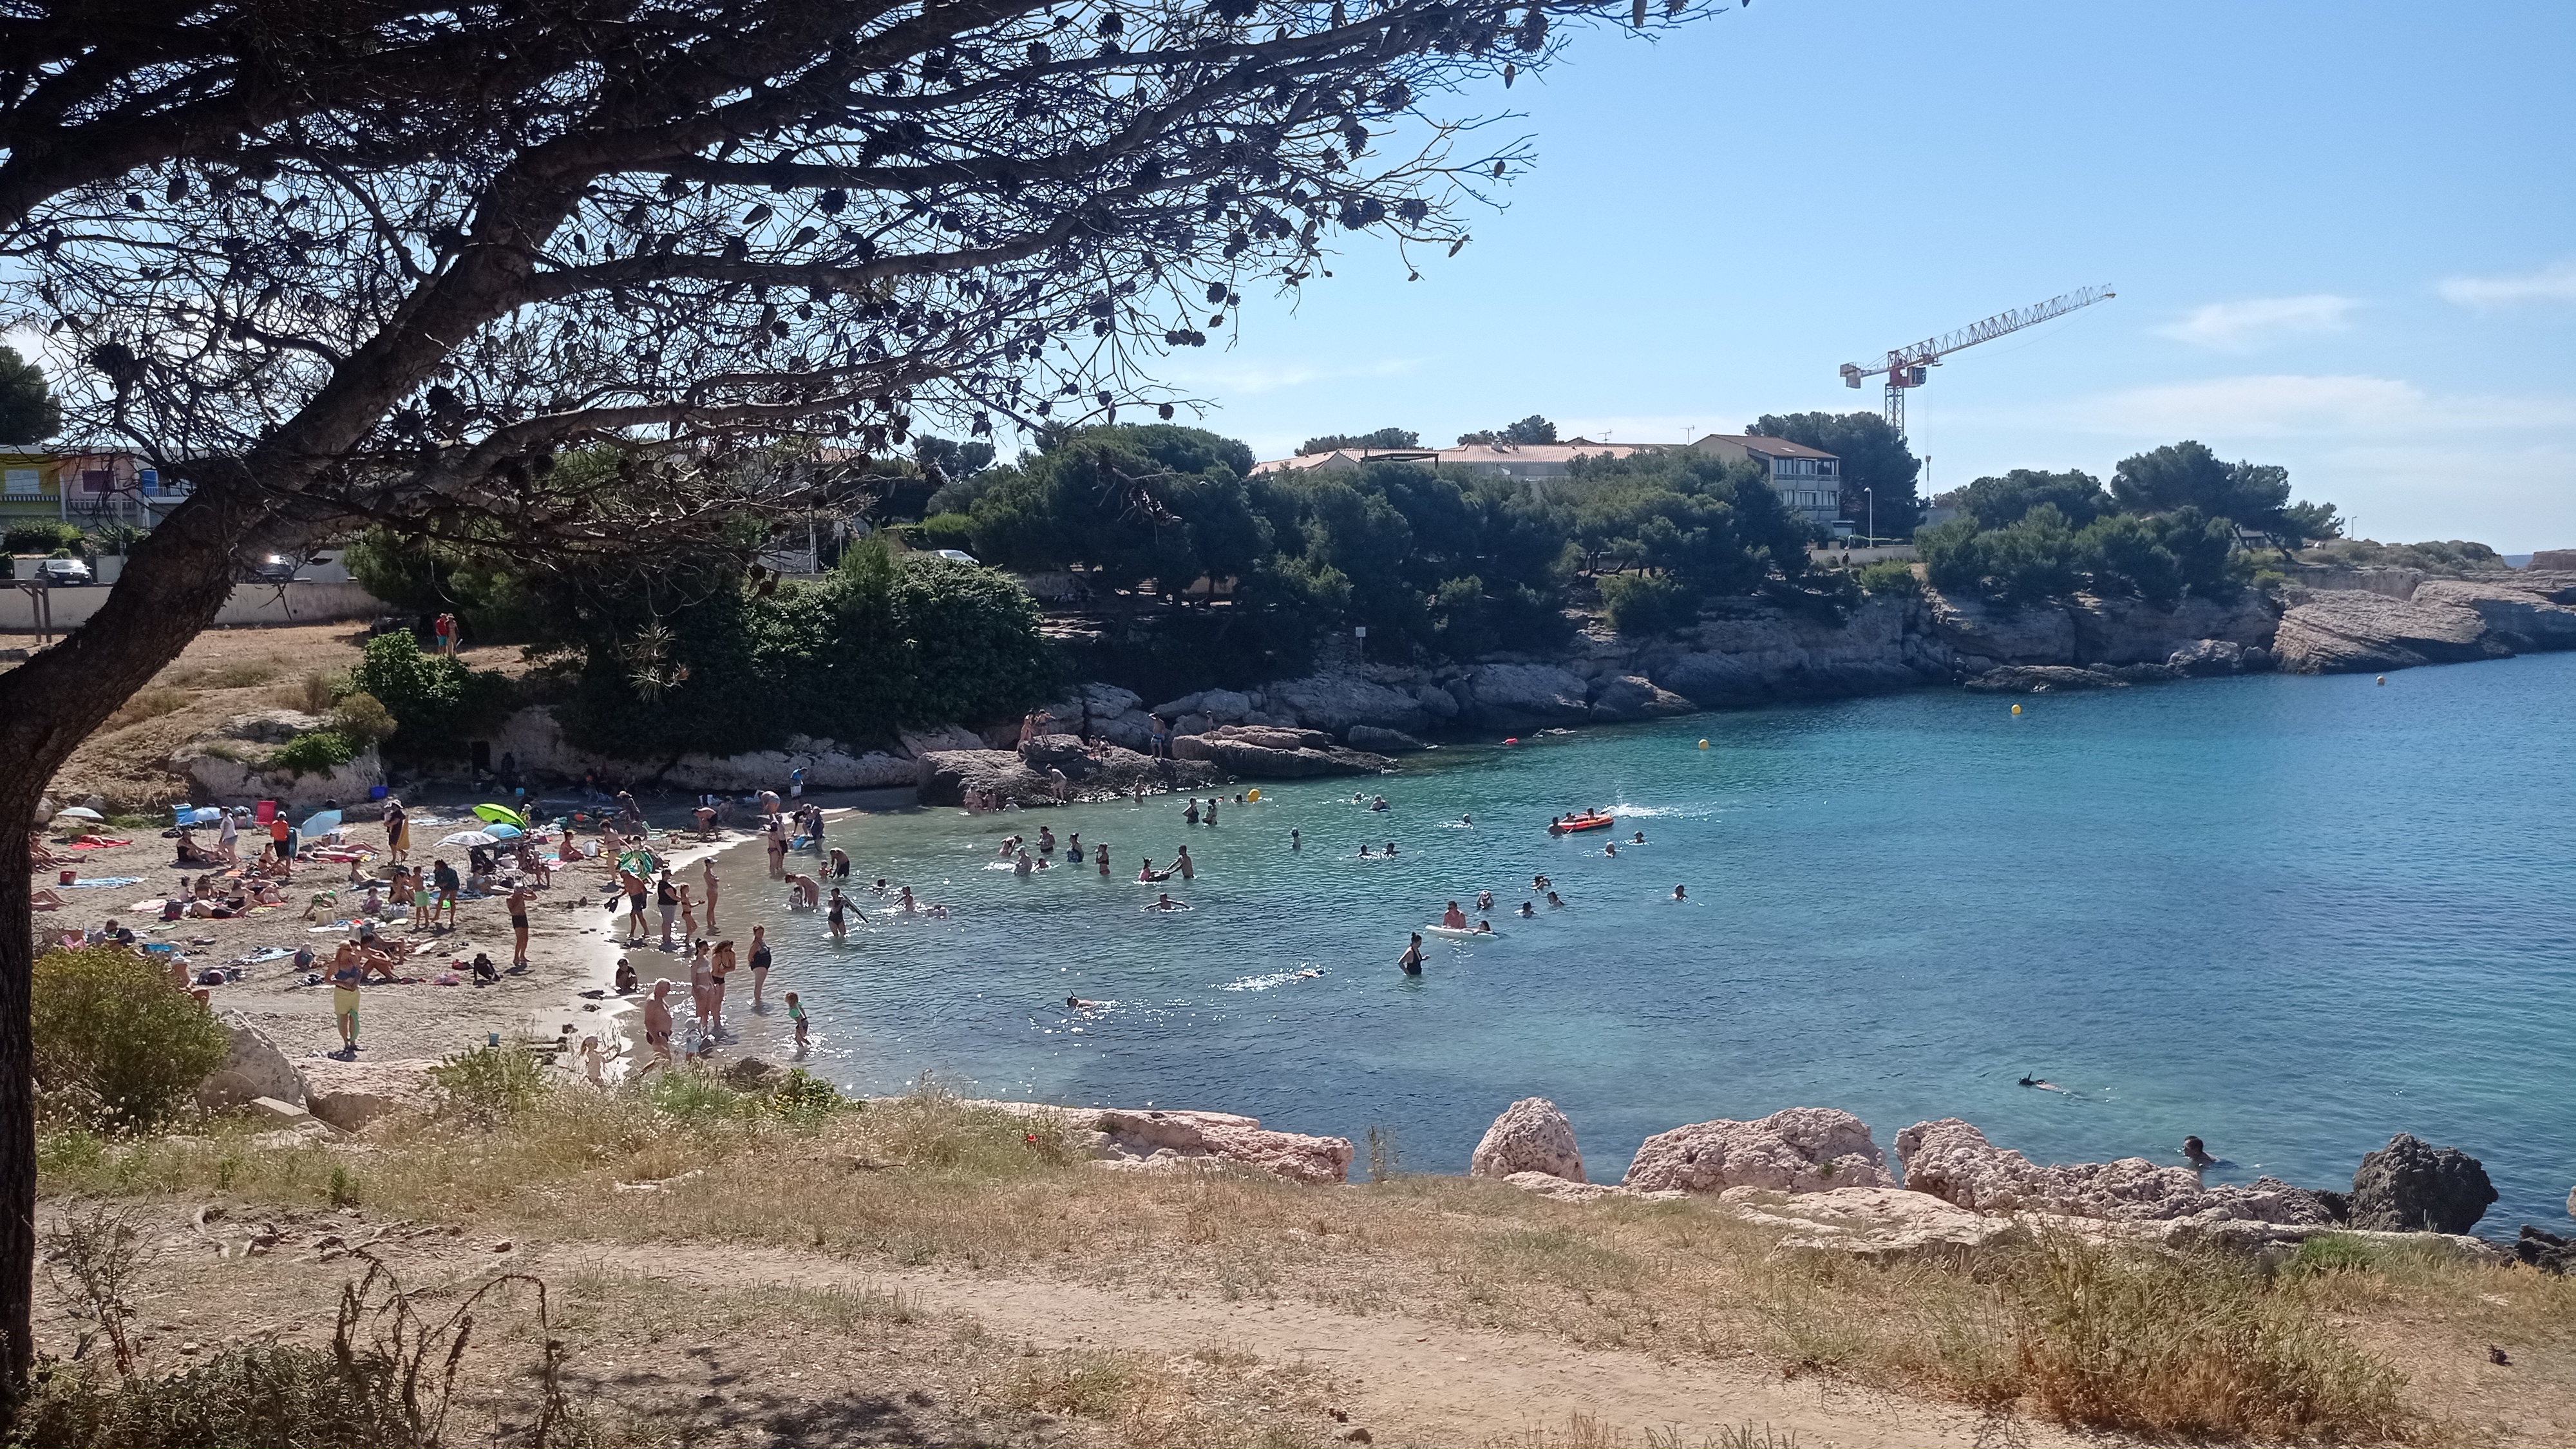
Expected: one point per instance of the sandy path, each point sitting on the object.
(1405, 1379)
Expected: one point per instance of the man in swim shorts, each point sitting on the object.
(1454, 919)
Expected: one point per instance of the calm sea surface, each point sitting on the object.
(2290, 915)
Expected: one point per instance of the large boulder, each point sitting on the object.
(349, 1095)
(2133, 631)
(945, 776)
(2350, 632)
(1154, 1137)
(1530, 1136)
(1632, 696)
(1709, 680)
(1522, 696)
(1271, 752)
(2212, 656)
(253, 1069)
(1879, 1224)
(1380, 741)
(2522, 611)
(1800, 1149)
(1335, 702)
(1953, 1161)
(2545, 1250)
(2411, 1186)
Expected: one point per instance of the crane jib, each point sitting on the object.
(1905, 366)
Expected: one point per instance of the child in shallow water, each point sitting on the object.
(796, 1014)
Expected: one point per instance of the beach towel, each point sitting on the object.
(105, 880)
(98, 842)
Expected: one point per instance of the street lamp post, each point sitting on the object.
(1872, 495)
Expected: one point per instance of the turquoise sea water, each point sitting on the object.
(2290, 915)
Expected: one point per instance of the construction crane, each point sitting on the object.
(1912, 366)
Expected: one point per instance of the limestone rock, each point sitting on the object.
(2348, 632)
(920, 742)
(1530, 1136)
(2133, 631)
(271, 726)
(1523, 696)
(254, 1068)
(349, 1095)
(1380, 741)
(1335, 702)
(1875, 1223)
(1269, 752)
(1710, 680)
(1143, 1135)
(2044, 679)
(2209, 656)
(1953, 1161)
(1800, 1149)
(2523, 612)
(944, 776)
(2412, 1186)
(1631, 696)
(2038, 634)
(222, 770)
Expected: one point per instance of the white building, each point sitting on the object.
(1808, 480)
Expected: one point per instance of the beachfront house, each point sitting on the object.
(1808, 480)
(91, 489)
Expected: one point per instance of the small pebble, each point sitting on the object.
(502, 1246)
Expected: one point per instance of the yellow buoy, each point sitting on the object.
(2016, 709)
(1703, 744)
(1256, 794)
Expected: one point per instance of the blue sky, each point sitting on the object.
(2343, 236)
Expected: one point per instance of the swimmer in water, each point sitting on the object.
(1466, 819)
(1526, 912)
(1554, 903)
(2197, 1155)
(1484, 928)
(1538, 882)
(1295, 842)
(1164, 902)
(1079, 1004)
(2041, 1083)
(1484, 900)
(1380, 803)
(1410, 963)
(1390, 847)
(1364, 853)
(1679, 894)
(1610, 849)
(1638, 839)
(1454, 919)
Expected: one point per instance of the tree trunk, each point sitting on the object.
(175, 581)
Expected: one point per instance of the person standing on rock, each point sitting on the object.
(1410, 963)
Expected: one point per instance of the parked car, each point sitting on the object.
(277, 568)
(63, 573)
(956, 555)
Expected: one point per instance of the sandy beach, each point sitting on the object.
(573, 940)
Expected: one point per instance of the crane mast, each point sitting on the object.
(1911, 366)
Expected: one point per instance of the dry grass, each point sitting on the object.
(148, 703)
(238, 673)
(313, 692)
(2172, 1347)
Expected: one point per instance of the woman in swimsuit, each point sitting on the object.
(839, 902)
(1411, 961)
(759, 963)
(519, 924)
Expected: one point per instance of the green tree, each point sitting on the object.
(28, 411)
(115, 1041)
(2000, 502)
(1874, 456)
(2188, 475)
(1529, 430)
(1382, 438)
(436, 702)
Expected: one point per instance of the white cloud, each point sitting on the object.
(2555, 283)
(2244, 326)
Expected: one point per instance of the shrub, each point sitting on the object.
(944, 530)
(694, 1097)
(114, 1038)
(363, 718)
(314, 692)
(805, 1100)
(490, 1084)
(1889, 576)
(43, 538)
(317, 752)
(433, 698)
(1647, 603)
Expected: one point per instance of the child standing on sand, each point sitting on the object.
(796, 1014)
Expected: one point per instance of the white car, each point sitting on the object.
(957, 555)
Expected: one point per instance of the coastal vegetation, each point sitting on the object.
(2343, 1344)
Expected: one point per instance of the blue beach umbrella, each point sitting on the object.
(320, 822)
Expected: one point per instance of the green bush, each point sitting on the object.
(1889, 576)
(805, 1100)
(44, 538)
(944, 530)
(115, 1041)
(490, 1084)
(363, 718)
(317, 752)
(274, 1394)
(694, 1097)
(1647, 603)
(433, 698)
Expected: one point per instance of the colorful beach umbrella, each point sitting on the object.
(320, 822)
(501, 815)
(500, 830)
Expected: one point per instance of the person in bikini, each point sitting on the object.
(657, 1021)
